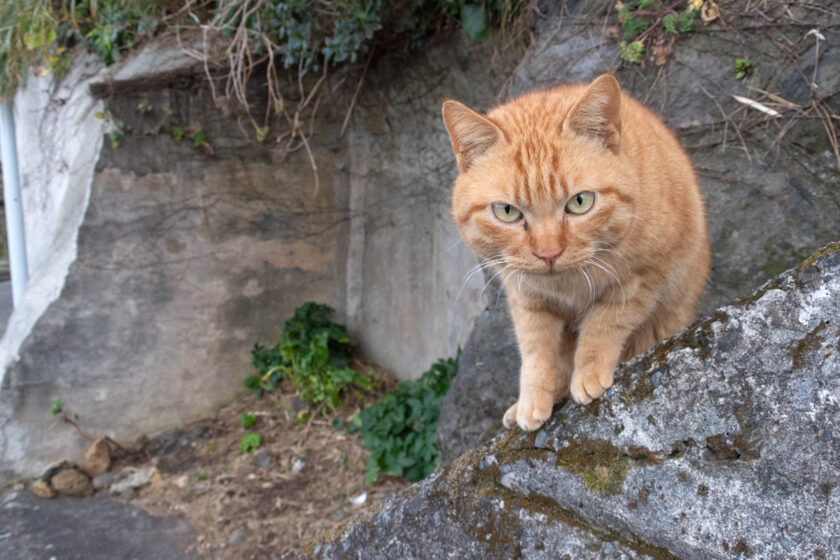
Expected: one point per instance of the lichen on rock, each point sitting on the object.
(730, 452)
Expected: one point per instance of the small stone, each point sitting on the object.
(239, 536)
(42, 490)
(72, 482)
(540, 439)
(297, 466)
(97, 458)
(104, 480)
(263, 459)
(137, 479)
(56, 468)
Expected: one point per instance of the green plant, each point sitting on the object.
(399, 430)
(743, 66)
(250, 442)
(247, 419)
(313, 354)
(632, 52)
(199, 476)
(40, 33)
(641, 20)
(177, 133)
(56, 407)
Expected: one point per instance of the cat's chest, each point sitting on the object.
(571, 294)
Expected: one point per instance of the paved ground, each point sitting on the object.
(87, 529)
(5, 304)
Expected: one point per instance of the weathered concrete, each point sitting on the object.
(186, 255)
(88, 529)
(721, 442)
(766, 211)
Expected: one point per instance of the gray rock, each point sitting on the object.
(487, 383)
(263, 459)
(133, 481)
(790, 181)
(733, 454)
(104, 480)
(95, 528)
(238, 536)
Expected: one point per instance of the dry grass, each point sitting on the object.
(228, 497)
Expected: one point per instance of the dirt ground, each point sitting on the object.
(305, 478)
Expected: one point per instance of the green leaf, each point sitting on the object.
(247, 419)
(474, 21)
(249, 442)
(632, 52)
(743, 66)
(56, 407)
(685, 21)
(669, 22)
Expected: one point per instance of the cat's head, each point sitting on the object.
(544, 181)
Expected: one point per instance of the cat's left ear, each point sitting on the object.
(597, 114)
(472, 134)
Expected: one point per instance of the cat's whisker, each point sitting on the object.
(519, 282)
(480, 267)
(502, 287)
(604, 266)
(613, 252)
(490, 281)
(589, 283)
(451, 247)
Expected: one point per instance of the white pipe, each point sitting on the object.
(12, 202)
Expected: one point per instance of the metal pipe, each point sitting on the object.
(12, 202)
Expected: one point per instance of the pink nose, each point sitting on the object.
(548, 255)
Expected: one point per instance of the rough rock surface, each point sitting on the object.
(486, 384)
(88, 529)
(789, 180)
(721, 442)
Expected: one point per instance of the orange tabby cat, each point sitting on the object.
(589, 210)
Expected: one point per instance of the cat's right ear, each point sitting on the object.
(471, 134)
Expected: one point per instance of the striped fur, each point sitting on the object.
(632, 267)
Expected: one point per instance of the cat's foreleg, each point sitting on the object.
(539, 333)
(601, 339)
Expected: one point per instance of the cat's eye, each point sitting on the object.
(507, 213)
(580, 203)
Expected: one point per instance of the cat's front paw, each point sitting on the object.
(531, 411)
(590, 385)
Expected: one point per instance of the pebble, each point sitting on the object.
(97, 458)
(239, 536)
(540, 439)
(72, 482)
(297, 466)
(42, 490)
(263, 459)
(137, 479)
(104, 480)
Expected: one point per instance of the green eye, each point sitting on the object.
(580, 203)
(506, 212)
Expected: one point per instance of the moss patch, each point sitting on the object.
(829, 249)
(602, 466)
(809, 343)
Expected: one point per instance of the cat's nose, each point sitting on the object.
(548, 255)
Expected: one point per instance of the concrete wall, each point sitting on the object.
(164, 263)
